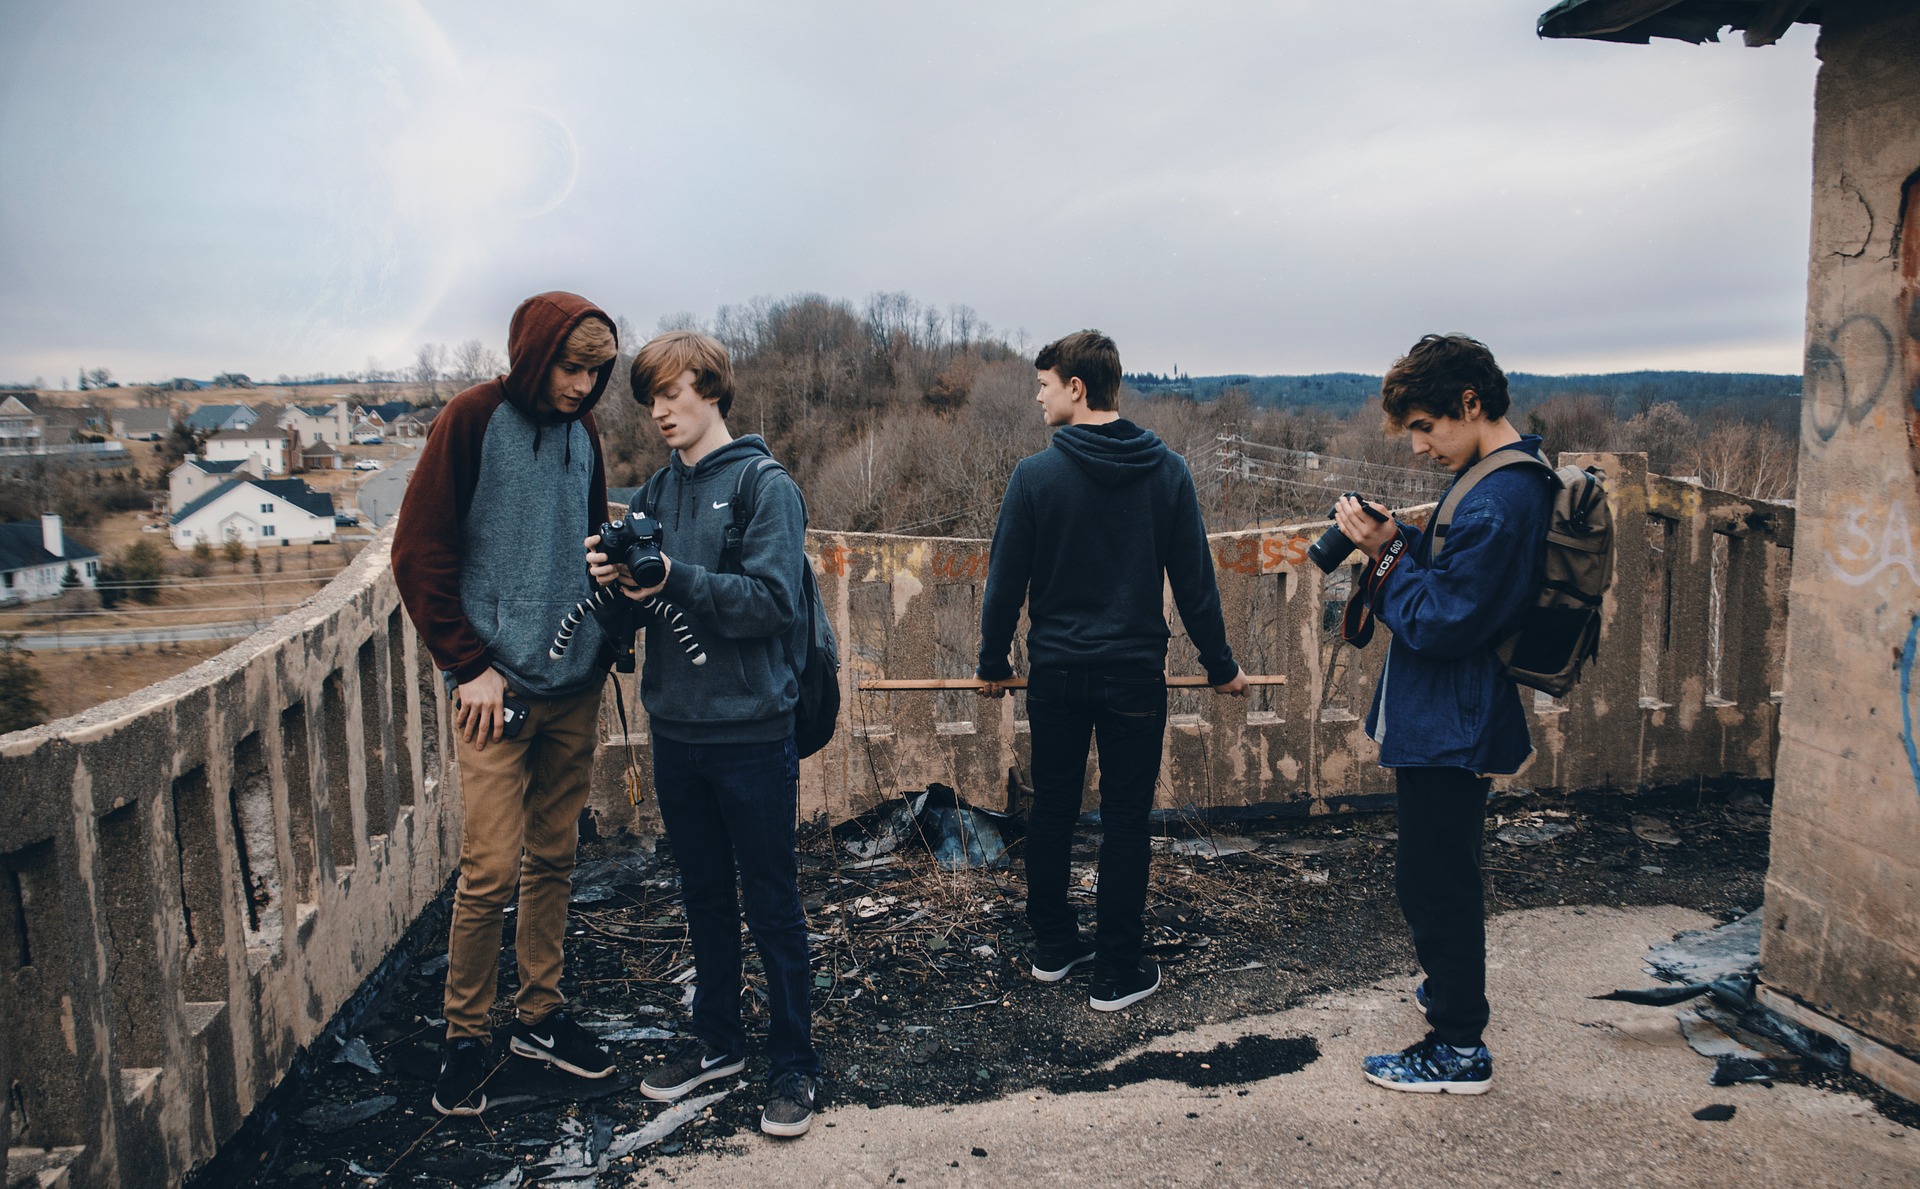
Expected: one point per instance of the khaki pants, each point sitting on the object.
(522, 795)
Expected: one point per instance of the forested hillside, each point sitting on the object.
(902, 417)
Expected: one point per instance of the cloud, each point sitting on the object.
(302, 186)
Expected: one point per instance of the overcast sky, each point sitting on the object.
(189, 188)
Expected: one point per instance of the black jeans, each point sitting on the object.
(1124, 709)
(1443, 820)
(728, 806)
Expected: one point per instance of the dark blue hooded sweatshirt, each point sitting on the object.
(1087, 529)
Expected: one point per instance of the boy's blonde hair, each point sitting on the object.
(591, 343)
(661, 361)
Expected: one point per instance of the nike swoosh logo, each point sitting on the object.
(542, 1041)
(709, 1063)
(717, 507)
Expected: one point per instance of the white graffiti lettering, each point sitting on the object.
(1893, 549)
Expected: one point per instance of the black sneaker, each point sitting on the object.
(693, 1064)
(1112, 991)
(463, 1077)
(789, 1110)
(1051, 963)
(561, 1043)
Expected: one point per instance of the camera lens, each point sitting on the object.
(1330, 550)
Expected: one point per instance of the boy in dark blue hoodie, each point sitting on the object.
(725, 766)
(1090, 532)
(1444, 715)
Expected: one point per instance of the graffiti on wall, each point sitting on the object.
(1867, 545)
(1840, 394)
(1906, 701)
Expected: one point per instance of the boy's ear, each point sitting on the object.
(1078, 387)
(1469, 405)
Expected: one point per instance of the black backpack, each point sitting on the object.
(1559, 632)
(818, 673)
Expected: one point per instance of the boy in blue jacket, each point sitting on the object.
(1444, 715)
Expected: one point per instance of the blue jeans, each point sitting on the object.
(1122, 709)
(729, 807)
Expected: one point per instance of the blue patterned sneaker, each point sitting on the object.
(1432, 1067)
(1421, 999)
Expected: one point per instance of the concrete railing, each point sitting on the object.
(195, 879)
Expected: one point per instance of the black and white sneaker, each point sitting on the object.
(789, 1109)
(463, 1077)
(1051, 963)
(691, 1065)
(561, 1043)
(1113, 991)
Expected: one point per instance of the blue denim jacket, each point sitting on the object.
(1442, 700)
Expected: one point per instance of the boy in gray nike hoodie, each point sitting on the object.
(725, 766)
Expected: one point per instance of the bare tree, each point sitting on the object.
(1664, 433)
(429, 360)
(472, 362)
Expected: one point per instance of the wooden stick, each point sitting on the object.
(924, 683)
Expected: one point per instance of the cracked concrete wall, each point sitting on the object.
(1843, 888)
(194, 879)
(1684, 686)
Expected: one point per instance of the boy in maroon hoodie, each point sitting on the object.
(487, 559)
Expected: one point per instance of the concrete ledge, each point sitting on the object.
(1892, 1071)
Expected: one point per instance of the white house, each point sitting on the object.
(21, 427)
(369, 427)
(195, 477)
(34, 559)
(256, 512)
(329, 423)
(143, 425)
(262, 446)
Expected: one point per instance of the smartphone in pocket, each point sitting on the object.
(513, 710)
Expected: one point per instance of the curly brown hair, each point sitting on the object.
(1436, 373)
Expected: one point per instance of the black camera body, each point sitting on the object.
(634, 542)
(1333, 546)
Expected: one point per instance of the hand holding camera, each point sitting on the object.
(1357, 524)
(632, 544)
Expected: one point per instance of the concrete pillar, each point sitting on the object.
(1843, 889)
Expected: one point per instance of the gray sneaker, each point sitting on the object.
(692, 1064)
(789, 1110)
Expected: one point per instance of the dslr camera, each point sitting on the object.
(1333, 547)
(633, 541)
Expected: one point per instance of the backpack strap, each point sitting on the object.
(746, 485)
(650, 491)
(1443, 515)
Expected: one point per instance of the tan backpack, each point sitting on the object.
(1560, 630)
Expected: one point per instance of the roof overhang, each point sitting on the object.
(1762, 22)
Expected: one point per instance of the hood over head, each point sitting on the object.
(535, 338)
(1114, 454)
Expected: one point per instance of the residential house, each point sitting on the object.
(322, 456)
(197, 476)
(331, 423)
(256, 512)
(140, 425)
(35, 558)
(213, 419)
(263, 446)
(369, 427)
(21, 426)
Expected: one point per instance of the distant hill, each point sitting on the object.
(1750, 396)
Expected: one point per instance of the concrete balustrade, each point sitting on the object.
(194, 879)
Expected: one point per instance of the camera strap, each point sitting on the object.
(626, 733)
(1356, 622)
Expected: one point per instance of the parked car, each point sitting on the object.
(366, 464)
(345, 519)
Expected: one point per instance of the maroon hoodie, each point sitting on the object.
(487, 551)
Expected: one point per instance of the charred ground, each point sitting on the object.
(921, 990)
